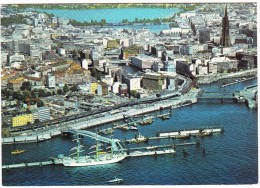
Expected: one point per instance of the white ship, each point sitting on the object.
(114, 154)
(90, 161)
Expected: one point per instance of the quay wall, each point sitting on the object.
(210, 79)
(83, 123)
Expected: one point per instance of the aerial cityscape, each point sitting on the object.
(129, 94)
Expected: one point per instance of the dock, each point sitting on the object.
(21, 165)
(164, 149)
(165, 146)
(238, 81)
(193, 132)
(147, 153)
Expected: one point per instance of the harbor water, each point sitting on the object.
(231, 157)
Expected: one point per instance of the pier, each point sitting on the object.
(32, 164)
(192, 132)
(169, 150)
(147, 153)
(248, 95)
(165, 146)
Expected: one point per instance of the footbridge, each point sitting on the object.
(215, 95)
(115, 143)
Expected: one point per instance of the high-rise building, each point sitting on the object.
(225, 38)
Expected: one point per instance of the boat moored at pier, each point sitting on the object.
(114, 153)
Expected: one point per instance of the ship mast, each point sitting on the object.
(78, 147)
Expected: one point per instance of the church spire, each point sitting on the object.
(225, 38)
(225, 15)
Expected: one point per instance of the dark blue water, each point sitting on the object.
(231, 157)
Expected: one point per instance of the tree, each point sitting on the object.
(40, 103)
(53, 93)
(17, 95)
(74, 88)
(95, 74)
(26, 86)
(59, 91)
(65, 88)
(103, 22)
(41, 93)
(133, 93)
(6, 92)
(36, 121)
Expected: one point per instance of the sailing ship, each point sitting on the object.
(100, 158)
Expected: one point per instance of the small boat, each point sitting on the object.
(139, 138)
(146, 122)
(124, 128)
(165, 117)
(18, 151)
(115, 181)
(133, 128)
(106, 131)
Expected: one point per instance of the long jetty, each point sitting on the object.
(192, 132)
(32, 164)
(130, 154)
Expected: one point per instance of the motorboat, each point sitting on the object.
(115, 181)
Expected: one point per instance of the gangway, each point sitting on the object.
(115, 143)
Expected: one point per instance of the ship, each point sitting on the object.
(114, 154)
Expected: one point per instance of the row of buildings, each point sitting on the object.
(50, 53)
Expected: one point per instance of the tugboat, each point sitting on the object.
(138, 139)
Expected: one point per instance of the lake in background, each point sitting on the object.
(113, 15)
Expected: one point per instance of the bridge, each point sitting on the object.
(115, 143)
(215, 95)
